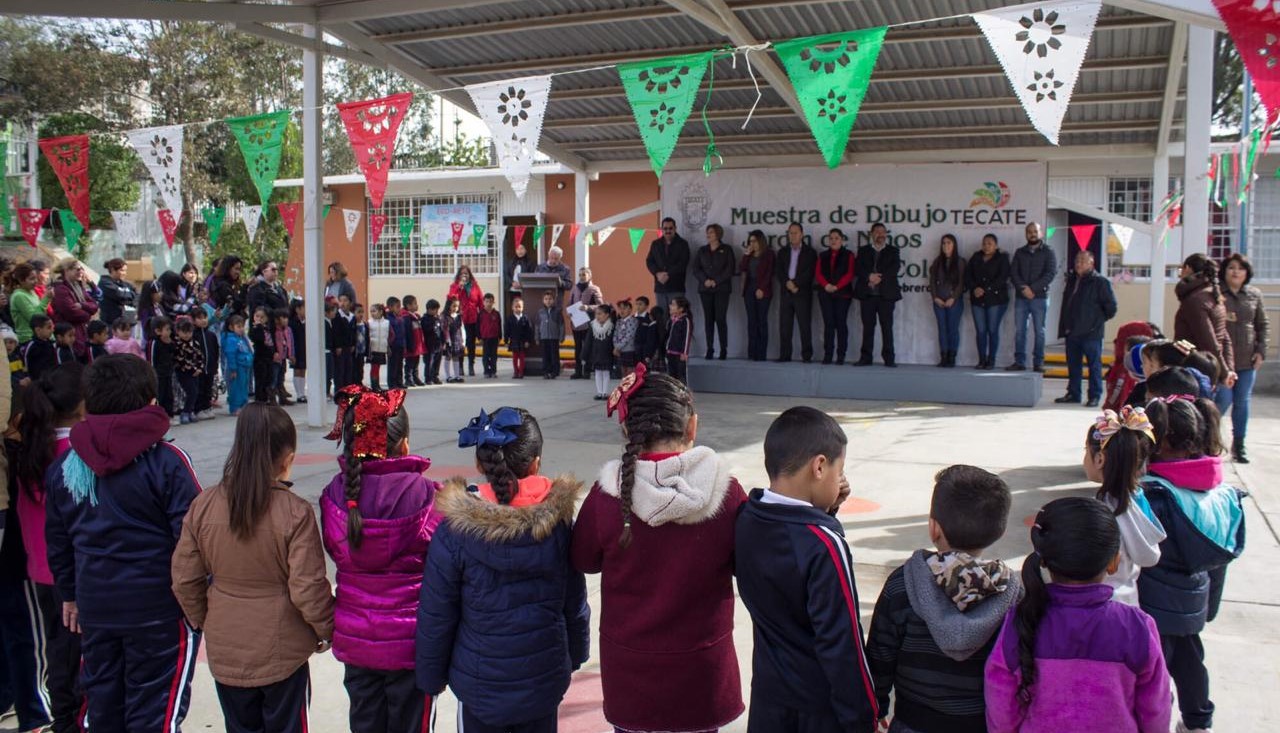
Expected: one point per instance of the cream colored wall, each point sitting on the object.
(424, 287)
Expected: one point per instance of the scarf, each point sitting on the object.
(965, 579)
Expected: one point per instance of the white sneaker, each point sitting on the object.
(206, 415)
(174, 421)
(1182, 728)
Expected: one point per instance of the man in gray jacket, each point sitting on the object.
(1033, 269)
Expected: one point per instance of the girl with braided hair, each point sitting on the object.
(504, 619)
(1202, 314)
(1069, 657)
(659, 527)
(378, 515)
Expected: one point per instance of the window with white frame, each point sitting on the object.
(1132, 197)
(388, 257)
(1264, 234)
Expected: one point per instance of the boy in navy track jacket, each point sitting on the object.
(115, 505)
(795, 575)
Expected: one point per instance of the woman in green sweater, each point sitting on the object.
(24, 303)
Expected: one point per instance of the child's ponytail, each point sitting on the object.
(1179, 427)
(352, 474)
(55, 397)
(507, 444)
(655, 408)
(1126, 439)
(1075, 539)
(371, 425)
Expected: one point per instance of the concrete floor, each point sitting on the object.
(894, 450)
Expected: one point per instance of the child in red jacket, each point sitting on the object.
(490, 326)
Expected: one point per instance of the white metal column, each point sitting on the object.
(1159, 252)
(313, 223)
(582, 215)
(1195, 208)
(33, 180)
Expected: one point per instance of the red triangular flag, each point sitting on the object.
(573, 232)
(456, 228)
(69, 158)
(167, 225)
(1254, 26)
(1083, 233)
(289, 214)
(520, 230)
(372, 126)
(32, 222)
(376, 223)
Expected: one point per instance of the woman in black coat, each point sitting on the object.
(119, 299)
(987, 280)
(834, 279)
(713, 268)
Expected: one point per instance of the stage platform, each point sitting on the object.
(906, 383)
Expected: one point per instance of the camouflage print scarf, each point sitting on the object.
(965, 579)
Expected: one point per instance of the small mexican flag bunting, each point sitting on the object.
(556, 231)
(538, 231)
(69, 158)
(1083, 233)
(252, 217)
(519, 235)
(214, 216)
(1254, 27)
(32, 222)
(372, 126)
(477, 234)
(261, 139)
(289, 214)
(376, 224)
(6, 216)
(405, 225)
(168, 225)
(573, 232)
(455, 233)
(324, 213)
(637, 237)
(605, 234)
(661, 93)
(71, 228)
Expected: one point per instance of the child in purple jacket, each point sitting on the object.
(378, 516)
(1069, 657)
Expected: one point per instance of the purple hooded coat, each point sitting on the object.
(378, 583)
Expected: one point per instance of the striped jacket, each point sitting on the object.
(795, 575)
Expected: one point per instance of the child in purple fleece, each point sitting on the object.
(378, 516)
(1069, 658)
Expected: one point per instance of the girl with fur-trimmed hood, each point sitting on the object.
(379, 514)
(502, 553)
(659, 527)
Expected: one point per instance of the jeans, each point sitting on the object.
(715, 317)
(987, 320)
(949, 326)
(757, 327)
(1237, 398)
(1036, 310)
(1078, 351)
(835, 324)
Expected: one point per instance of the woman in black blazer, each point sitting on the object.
(834, 279)
(987, 280)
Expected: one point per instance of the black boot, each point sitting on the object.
(951, 359)
(471, 368)
(1238, 453)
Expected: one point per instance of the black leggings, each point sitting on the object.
(715, 317)
(262, 380)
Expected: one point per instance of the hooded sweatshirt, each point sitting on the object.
(1120, 381)
(1140, 538)
(931, 652)
(1203, 520)
(115, 505)
(379, 581)
(667, 657)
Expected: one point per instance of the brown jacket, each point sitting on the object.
(1202, 320)
(264, 603)
(1247, 324)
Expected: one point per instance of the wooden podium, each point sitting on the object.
(533, 286)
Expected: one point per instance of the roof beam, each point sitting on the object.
(1172, 82)
(414, 70)
(868, 108)
(892, 75)
(221, 12)
(722, 20)
(658, 12)
(895, 134)
(342, 11)
(314, 44)
(1194, 12)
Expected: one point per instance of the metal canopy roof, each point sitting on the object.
(937, 85)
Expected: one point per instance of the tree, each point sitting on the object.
(1228, 83)
(113, 168)
(63, 68)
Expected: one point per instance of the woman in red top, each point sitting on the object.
(658, 525)
(834, 277)
(467, 292)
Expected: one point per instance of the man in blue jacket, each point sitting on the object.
(1087, 304)
(1032, 272)
(115, 505)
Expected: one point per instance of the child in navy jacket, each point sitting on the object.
(502, 554)
(395, 345)
(795, 575)
(115, 504)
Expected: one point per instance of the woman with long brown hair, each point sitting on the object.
(250, 559)
(756, 268)
(470, 297)
(1202, 315)
(946, 286)
(24, 302)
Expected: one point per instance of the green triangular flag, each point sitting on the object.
(406, 229)
(661, 93)
(477, 234)
(830, 82)
(261, 139)
(589, 239)
(637, 236)
(71, 227)
(5, 215)
(1048, 234)
(538, 231)
(324, 213)
(213, 218)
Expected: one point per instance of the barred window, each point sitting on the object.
(1264, 222)
(1132, 197)
(388, 256)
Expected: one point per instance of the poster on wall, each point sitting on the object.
(918, 204)
(438, 222)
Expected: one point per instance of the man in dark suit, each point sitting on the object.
(794, 268)
(668, 261)
(876, 285)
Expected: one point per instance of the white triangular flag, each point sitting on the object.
(251, 216)
(1041, 48)
(1123, 234)
(604, 234)
(351, 220)
(513, 109)
(500, 234)
(126, 226)
(161, 151)
(556, 230)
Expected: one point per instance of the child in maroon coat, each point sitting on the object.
(489, 323)
(658, 525)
